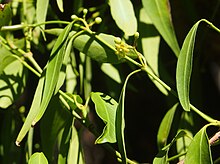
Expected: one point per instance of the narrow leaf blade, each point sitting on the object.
(165, 127)
(41, 11)
(123, 13)
(60, 5)
(53, 70)
(159, 13)
(120, 122)
(184, 68)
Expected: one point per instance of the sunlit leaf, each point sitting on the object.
(105, 107)
(75, 153)
(165, 127)
(62, 74)
(60, 5)
(199, 149)
(5, 14)
(52, 70)
(33, 111)
(111, 71)
(12, 83)
(123, 13)
(150, 45)
(41, 11)
(98, 51)
(38, 158)
(184, 68)
(46, 85)
(159, 13)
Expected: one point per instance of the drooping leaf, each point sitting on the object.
(52, 70)
(165, 127)
(45, 88)
(33, 111)
(89, 45)
(5, 14)
(184, 68)
(123, 13)
(199, 149)
(150, 45)
(60, 5)
(75, 155)
(120, 122)
(51, 124)
(159, 13)
(38, 158)
(41, 11)
(105, 107)
(111, 71)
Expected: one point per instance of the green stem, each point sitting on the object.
(176, 156)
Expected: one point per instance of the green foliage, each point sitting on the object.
(86, 82)
(38, 158)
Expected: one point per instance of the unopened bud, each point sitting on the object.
(73, 17)
(98, 20)
(117, 40)
(85, 11)
(136, 35)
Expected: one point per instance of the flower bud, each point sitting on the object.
(117, 40)
(98, 20)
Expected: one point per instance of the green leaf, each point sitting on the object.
(12, 76)
(184, 68)
(38, 158)
(150, 45)
(75, 154)
(5, 15)
(159, 13)
(165, 127)
(46, 85)
(111, 71)
(105, 107)
(186, 123)
(65, 142)
(162, 156)
(41, 11)
(91, 46)
(120, 122)
(62, 74)
(123, 13)
(199, 149)
(51, 124)
(33, 111)
(60, 5)
(52, 70)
